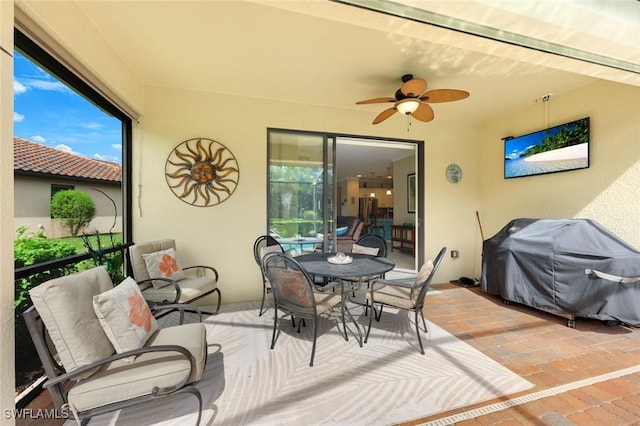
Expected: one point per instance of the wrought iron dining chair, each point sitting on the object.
(295, 294)
(263, 245)
(373, 245)
(401, 294)
(374, 242)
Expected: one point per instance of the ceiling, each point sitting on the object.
(333, 54)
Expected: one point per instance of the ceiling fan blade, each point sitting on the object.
(414, 87)
(444, 95)
(384, 115)
(376, 101)
(423, 113)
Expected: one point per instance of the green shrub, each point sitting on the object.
(75, 208)
(33, 249)
(293, 227)
(29, 250)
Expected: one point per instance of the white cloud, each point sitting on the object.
(111, 158)
(17, 117)
(18, 88)
(63, 147)
(50, 85)
(38, 138)
(117, 146)
(92, 125)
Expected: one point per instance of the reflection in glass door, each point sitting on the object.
(300, 197)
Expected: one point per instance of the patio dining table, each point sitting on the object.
(363, 265)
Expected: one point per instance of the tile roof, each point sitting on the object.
(32, 157)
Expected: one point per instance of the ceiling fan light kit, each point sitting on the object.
(413, 100)
(407, 106)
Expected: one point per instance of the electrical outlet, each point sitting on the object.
(454, 254)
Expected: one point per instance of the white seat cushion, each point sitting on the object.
(399, 297)
(65, 305)
(191, 288)
(373, 251)
(120, 381)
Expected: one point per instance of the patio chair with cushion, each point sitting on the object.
(370, 244)
(111, 351)
(295, 294)
(373, 245)
(405, 295)
(265, 244)
(162, 280)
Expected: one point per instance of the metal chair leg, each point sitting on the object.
(418, 332)
(264, 295)
(274, 337)
(315, 337)
(366, 338)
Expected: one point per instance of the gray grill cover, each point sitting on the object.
(541, 263)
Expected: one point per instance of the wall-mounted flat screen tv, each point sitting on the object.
(556, 149)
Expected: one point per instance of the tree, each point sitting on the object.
(76, 209)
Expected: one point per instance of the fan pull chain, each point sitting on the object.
(408, 122)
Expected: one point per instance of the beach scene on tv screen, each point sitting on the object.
(559, 148)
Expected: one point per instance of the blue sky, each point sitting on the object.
(46, 111)
(516, 146)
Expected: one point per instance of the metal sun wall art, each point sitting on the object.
(202, 172)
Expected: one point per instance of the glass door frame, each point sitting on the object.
(329, 157)
(329, 184)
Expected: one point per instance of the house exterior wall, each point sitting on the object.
(33, 195)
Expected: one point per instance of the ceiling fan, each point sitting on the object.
(412, 100)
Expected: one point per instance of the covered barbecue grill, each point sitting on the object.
(572, 267)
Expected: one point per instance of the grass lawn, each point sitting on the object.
(105, 242)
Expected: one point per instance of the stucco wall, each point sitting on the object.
(33, 196)
(7, 374)
(223, 235)
(608, 191)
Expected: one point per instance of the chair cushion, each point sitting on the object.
(399, 297)
(292, 285)
(423, 274)
(269, 249)
(425, 271)
(191, 288)
(373, 251)
(121, 381)
(138, 267)
(66, 307)
(125, 317)
(163, 264)
(326, 301)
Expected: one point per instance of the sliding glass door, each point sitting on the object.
(301, 189)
